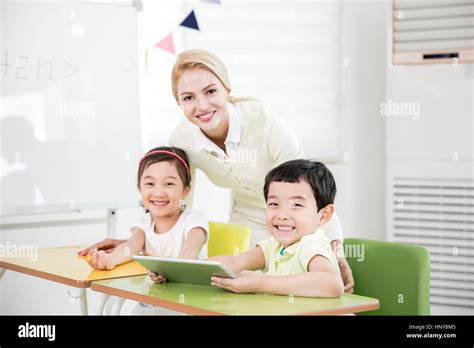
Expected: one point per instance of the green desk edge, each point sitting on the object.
(196, 299)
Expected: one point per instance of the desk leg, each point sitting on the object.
(101, 302)
(2, 271)
(117, 303)
(83, 295)
(83, 299)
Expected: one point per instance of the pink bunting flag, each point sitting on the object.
(167, 44)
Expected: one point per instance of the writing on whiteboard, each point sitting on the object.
(40, 68)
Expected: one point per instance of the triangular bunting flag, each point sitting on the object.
(167, 43)
(190, 21)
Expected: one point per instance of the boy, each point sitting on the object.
(298, 258)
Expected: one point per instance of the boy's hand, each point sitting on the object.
(99, 259)
(246, 282)
(156, 277)
(346, 272)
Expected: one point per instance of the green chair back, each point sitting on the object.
(397, 274)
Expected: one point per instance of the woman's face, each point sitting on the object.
(203, 99)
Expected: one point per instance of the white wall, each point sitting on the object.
(361, 176)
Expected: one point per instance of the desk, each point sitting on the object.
(62, 265)
(208, 300)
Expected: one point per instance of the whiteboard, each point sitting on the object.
(69, 117)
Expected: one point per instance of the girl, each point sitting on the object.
(167, 229)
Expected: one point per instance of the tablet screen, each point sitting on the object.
(196, 272)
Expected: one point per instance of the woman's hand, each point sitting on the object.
(156, 277)
(246, 282)
(99, 259)
(346, 272)
(108, 245)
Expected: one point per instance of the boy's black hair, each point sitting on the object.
(316, 174)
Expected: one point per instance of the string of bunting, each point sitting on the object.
(167, 43)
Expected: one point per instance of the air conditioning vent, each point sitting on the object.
(439, 215)
(433, 31)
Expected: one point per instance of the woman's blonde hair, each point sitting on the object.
(201, 59)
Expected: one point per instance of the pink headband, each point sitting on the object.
(168, 153)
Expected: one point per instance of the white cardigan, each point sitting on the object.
(264, 144)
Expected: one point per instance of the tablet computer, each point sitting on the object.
(185, 271)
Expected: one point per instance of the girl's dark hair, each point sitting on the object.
(316, 174)
(149, 159)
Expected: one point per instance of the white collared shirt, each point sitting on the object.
(232, 140)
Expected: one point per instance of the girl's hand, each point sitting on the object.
(156, 277)
(108, 245)
(246, 282)
(99, 259)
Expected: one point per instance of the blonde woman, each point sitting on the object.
(235, 142)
